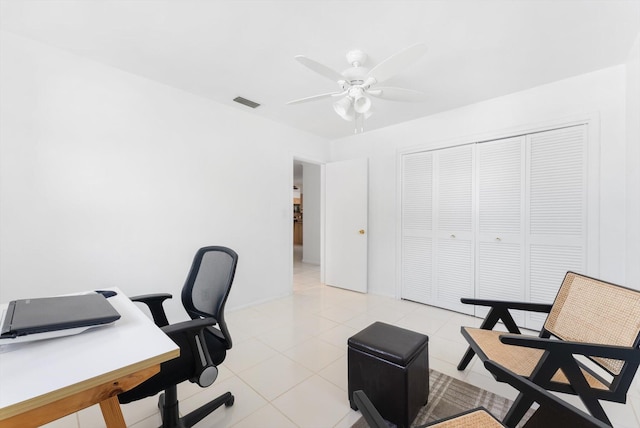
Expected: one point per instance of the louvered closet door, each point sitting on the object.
(453, 247)
(500, 239)
(417, 227)
(556, 186)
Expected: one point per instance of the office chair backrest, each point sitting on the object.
(208, 285)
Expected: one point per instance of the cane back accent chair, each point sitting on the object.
(552, 411)
(589, 318)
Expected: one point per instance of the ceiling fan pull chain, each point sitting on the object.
(360, 116)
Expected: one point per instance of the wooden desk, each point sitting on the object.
(45, 380)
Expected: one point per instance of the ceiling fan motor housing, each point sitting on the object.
(356, 57)
(356, 74)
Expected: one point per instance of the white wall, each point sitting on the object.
(633, 165)
(600, 94)
(109, 179)
(311, 213)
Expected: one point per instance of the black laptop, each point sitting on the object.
(50, 314)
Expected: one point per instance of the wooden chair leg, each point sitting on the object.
(517, 411)
(583, 390)
(466, 359)
(595, 408)
(488, 323)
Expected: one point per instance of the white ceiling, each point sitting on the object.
(477, 49)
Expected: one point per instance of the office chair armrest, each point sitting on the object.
(154, 303)
(188, 326)
(193, 332)
(368, 410)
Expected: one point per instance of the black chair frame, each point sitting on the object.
(558, 355)
(550, 406)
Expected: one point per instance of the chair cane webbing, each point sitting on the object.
(475, 419)
(519, 359)
(591, 311)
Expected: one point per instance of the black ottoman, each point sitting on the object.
(391, 365)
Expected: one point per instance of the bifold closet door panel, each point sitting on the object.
(417, 227)
(454, 274)
(557, 211)
(548, 265)
(500, 173)
(454, 226)
(417, 269)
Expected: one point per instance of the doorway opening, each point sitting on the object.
(306, 221)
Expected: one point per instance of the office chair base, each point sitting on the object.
(168, 405)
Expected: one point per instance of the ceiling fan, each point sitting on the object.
(358, 83)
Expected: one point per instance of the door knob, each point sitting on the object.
(361, 231)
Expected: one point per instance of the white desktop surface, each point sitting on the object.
(35, 373)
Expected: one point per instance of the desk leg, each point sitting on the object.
(105, 394)
(112, 413)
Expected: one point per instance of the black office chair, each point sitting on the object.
(202, 346)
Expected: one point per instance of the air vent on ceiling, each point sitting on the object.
(246, 102)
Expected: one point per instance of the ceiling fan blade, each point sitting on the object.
(396, 63)
(315, 97)
(397, 94)
(319, 68)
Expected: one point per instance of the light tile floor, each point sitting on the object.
(288, 365)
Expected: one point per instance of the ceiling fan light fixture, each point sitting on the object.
(361, 104)
(344, 108)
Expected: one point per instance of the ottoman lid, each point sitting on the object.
(391, 343)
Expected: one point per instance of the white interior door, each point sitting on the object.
(346, 204)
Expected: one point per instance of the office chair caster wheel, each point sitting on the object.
(230, 401)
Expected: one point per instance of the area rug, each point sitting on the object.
(449, 396)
